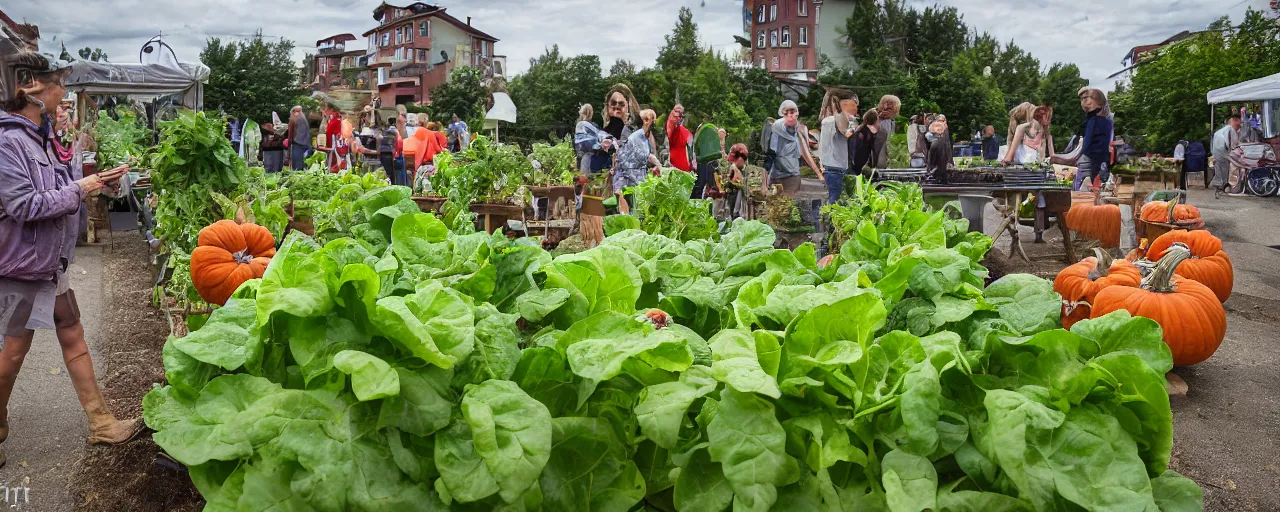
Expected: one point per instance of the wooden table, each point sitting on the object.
(1057, 201)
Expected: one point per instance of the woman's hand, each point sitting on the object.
(94, 182)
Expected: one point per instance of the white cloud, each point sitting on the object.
(1094, 34)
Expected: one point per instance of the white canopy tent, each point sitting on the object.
(140, 82)
(503, 110)
(1265, 90)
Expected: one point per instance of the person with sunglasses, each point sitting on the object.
(619, 115)
(40, 201)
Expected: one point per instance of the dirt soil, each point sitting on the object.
(127, 477)
(1227, 427)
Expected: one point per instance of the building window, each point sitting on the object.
(773, 38)
(802, 7)
(399, 36)
(408, 33)
(760, 39)
(800, 61)
(422, 55)
(422, 29)
(786, 37)
(386, 39)
(773, 12)
(761, 14)
(804, 36)
(762, 63)
(775, 62)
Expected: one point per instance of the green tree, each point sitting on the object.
(681, 52)
(250, 78)
(550, 93)
(1059, 89)
(622, 67)
(93, 54)
(1165, 100)
(463, 95)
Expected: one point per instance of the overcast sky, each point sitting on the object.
(1095, 34)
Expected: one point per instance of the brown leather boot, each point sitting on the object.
(104, 428)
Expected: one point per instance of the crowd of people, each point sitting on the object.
(849, 143)
(401, 144)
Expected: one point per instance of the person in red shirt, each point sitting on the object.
(678, 138)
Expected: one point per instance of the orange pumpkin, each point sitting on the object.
(1160, 211)
(1078, 284)
(228, 254)
(1192, 318)
(1096, 221)
(1208, 263)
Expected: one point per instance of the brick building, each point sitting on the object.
(324, 72)
(415, 47)
(787, 36)
(28, 35)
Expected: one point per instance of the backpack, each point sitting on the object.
(1197, 159)
(388, 144)
(766, 143)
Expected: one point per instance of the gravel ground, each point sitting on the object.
(133, 333)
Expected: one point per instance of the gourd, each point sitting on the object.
(228, 254)
(1190, 315)
(1080, 283)
(1208, 264)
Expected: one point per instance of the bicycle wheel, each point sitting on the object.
(1264, 185)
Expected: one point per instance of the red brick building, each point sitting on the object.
(332, 56)
(27, 33)
(415, 47)
(783, 36)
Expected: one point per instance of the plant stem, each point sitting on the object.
(1160, 279)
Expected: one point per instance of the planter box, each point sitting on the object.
(429, 204)
(492, 217)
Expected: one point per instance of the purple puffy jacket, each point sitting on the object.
(39, 200)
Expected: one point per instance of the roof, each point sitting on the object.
(1139, 50)
(340, 38)
(423, 11)
(465, 27)
(1265, 88)
(30, 33)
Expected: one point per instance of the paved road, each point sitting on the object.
(47, 426)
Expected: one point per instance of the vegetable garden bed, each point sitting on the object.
(398, 364)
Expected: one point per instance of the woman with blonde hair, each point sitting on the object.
(636, 156)
(888, 110)
(590, 142)
(1032, 143)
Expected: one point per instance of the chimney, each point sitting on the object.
(468, 21)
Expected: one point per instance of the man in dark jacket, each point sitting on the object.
(990, 144)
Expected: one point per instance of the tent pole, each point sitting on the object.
(1212, 127)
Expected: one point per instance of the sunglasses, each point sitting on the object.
(617, 104)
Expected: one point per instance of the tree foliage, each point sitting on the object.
(935, 62)
(250, 78)
(463, 95)
(1164, 102)
(681, 52)
(93, 54)
(550, 93)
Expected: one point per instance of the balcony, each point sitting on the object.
(332, 49)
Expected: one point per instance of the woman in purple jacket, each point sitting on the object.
(40, 202)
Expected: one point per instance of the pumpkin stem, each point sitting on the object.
(1104, 260)
(1160, 278)
(242, 257)
(1173, 203)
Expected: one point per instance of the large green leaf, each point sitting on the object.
(294, 283)
(371, 378)
(434, 324)
(662, 408)
(750, 444)
(735, 362)
(588, 469)
(229, 339)
(511, 432)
